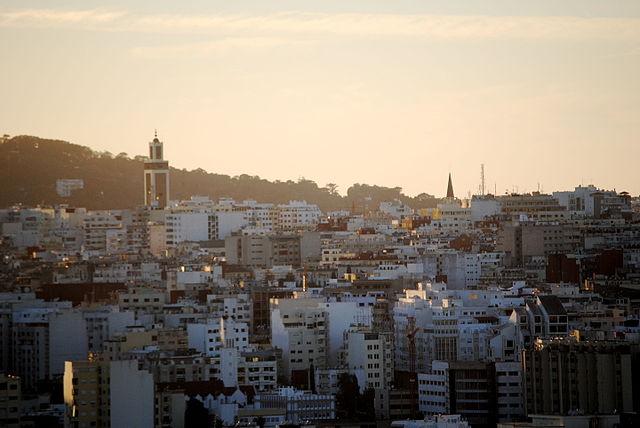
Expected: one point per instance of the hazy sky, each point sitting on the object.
(395, 93)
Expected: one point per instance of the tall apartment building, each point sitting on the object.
(104, 232)
(43, 339)
(435, 313)
(467, 388)
(297, 215)
(509, 391)
(299, 329)
(212, 337)
(369, 356)
(561, 375)
(107, 394)
(310, 333)
(267, 251)
(523, 240)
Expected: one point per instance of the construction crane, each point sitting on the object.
(411, 339)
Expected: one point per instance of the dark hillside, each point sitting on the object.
(30, 166)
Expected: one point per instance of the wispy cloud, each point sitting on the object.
(285, 24)
(412, 26)
(213, 48)
(48, 17)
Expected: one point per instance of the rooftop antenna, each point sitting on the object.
(482, 179)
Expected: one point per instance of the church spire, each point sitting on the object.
(450, 188)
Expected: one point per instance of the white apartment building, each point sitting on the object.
(589, 201)
(452, 219)
(446, 325)
(369, 356)
(310, 330)
(212, 337)
(238, 307)
(104, 233)
(299, 329)
(298, 215)
(483, 207)
(258, 368)
(395, 209)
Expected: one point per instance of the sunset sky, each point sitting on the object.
(394, 93)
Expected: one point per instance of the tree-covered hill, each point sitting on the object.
(30, 166)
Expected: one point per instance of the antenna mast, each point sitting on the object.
(482, 179)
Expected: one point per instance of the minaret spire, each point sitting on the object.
(450, 188)
(156, 176)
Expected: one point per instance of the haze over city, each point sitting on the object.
(349, 214)
(390, 93)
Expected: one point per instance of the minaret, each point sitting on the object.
(156, 176)
(450, 189)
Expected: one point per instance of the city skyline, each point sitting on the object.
(392, 95)
(269, 214)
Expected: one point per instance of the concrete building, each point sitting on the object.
(104, 233)
(265, 251)
(103, 323)
(198, 226)
(509, 391)
(107, 394)
(523, 240)
(532, 205)
(452, 219)
(300, 406)
(211, 338)
(43, 339)
(562, 375)
(142, 299)
(466, 388)
(258, 368)
(369, 356)
(310, 333)
(299, 329)
(297, 215)
(484, 206)
(589, 201)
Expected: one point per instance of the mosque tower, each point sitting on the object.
(156, 176)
